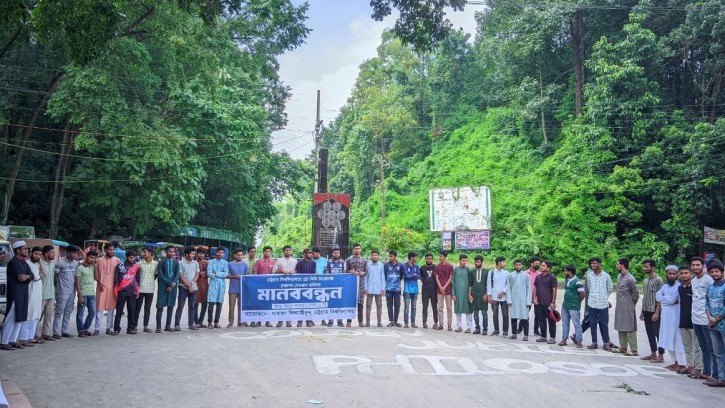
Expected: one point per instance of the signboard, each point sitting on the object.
(267, 298)
(460, 208)
(473, 239)
(331, 223)
(209, 233)
(714, 236)
(447, 240)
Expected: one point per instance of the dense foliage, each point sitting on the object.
(598, 127)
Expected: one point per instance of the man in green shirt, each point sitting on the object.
(86, 289)
(570, 309)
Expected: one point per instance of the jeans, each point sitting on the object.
(144, 299)
(128, 300)
(542, 316)
(599, 317)
(63, 309)
(504, 315)
(484, 319)
(90, 303)
(392, 300)
(190, 299)
(708, 363)
(410, 300)
(429, 295)
(566, 316)
(718, 350)
(369, 306)
(653, 332)
(199, 318)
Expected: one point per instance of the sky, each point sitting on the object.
(343, 36)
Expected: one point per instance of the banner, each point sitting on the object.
(268, 298)
(714, 236)
(473, 239)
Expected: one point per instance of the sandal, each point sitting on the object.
(618, 351)
(684, 371)
(630, 354)
(695, 375)
(657, 360)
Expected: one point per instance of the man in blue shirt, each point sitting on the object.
(320, 261)
(335, 265)
(411, 273)
(237, 268)
(306, 265)
(393, 275)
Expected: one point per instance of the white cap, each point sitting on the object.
(19, 244)
(672, 268)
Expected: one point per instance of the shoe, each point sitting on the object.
(450, 328)
(177, 328)
(67, 335)
(717, 384)
(132, 331)
(367, 324)
(380, 324)
(562, 342)
(98, 333)
(209, 326)
(415, 326)
(579, 344)
(340, 324)
(168, 329)
(268, 324)
(495, 333)
(526, 338)
(468, 331)
(230, 325)
(244, 325)
(710, 381)
(217, 326)
(147, 330)
(279, 324)
(17, 345)
(458, 330)
(484, 333)
(541, 340)
(83, 334)
(299, 324)
(288, 324)
(406, 326)
(425, 325)
(398, 325)
(391, 324)
(551, 341)
(203, 326)
(193, 328)
(57, 336)
(48, 338)
(6, 347)
(477, 331)
(108, 331)
(505, 334)
(348, 324)
(593, 346)
(607, 348)
(27, 344)
(310, 324)
(158, 330)
(512, 337)
(115, 333)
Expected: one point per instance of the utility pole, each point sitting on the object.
(320, 179)
(382, 192)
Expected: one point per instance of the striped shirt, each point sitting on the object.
(650, 287)
(148, 276)
(598, 288)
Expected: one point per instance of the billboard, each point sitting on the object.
(331, 223)
(460, 208)
(714, 236)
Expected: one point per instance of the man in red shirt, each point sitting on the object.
(444, 274)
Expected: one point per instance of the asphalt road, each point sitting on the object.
(358, 367)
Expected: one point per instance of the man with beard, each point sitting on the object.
(307, 266)
(35, 299)
(337, 265)
(65, 272)
(461, 287)
(625, 314)
(19, 277)
(285, 265)
(374, 287)
(168, 275)
(545, 288)
(357, 265)
(700, 282)
(46, 331)
(126, 289)
(148, 285)
(652, 283)
(411, 274)
(598, 287)
(497, 288)
(571, 307)
(478, 278)
(687, 331)
(428, 291)
(668, 299)
(105, 298)
(444, 275)
(532, 273)
(86, 290)
(203, 285)
(393, 275)
(715, 309)
(519, 300)
(263, 266)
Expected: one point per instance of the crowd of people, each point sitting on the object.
(684, 315)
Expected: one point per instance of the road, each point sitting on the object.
(357, 367)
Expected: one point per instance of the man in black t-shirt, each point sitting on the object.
(429, 290)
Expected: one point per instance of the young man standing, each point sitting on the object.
(545, 287)
(411, 274)
(687, 332)
(126, 289)
(598, 287)
(700, 282)
(570, 309)
(357, 265)
(668, 299)
(19, 277)
(625, 314)
(35, 298)
(444, 275)
(105, 299)
(320, 261)
(519, 300)
(251, 259)
(532, 273)
(393, 275)
(264, 266)
(148, 284)
(374, 287)
(65, 272)
(429, 291)
(218, 270)
(306, 266)
(168, 274)
(496, 287)
(479, 296)
(203, 288)
(337, 265)
(285, 265)
(86, 290)
(237, 269)
(188, 276)
(652, 284)
(715, 309)
(460, 292)
(46, 318)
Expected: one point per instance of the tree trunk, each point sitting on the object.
(715, 98)
(59, 188)
(543, 117)
(577, 29)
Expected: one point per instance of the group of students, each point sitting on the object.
(684, 315)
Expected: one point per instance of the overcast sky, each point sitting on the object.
(343, 36)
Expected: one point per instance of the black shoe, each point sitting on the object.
(57, 336)
(168, 328)
(177, 328)
(495, 333)
(114, 333)
(67, 335)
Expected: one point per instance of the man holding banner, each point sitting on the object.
(357, 265)
(286, 266)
